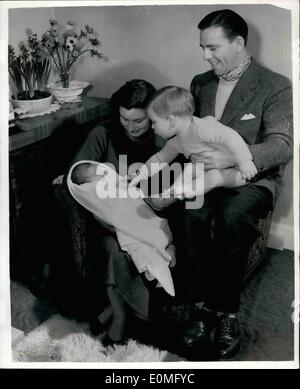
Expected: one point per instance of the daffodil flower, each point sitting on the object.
(21, 44)
(70, 24)
(53, 22)
(71, 41)
(62, 45)
(30, 69)
(45, 35)
(94, 41)
(28, 31)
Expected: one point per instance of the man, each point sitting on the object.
(257, 103)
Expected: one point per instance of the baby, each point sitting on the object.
(115, 312)
(171, 112)
(87, 172)
(140, 232)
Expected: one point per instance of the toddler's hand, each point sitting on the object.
(189, 190)
(168, 193)
(173, 193)
(248, 170)
(189, 194)
(134, 181)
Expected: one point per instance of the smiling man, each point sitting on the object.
(257, 103)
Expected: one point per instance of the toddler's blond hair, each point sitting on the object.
(172, 100)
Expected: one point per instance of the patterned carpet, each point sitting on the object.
(266, 311)
(265, 317)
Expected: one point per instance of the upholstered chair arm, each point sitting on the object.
(78, 221)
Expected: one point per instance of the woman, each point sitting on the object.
(131, 136)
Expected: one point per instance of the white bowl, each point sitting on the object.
(34, 106)
(67, 94)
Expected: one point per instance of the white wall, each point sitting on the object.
(161, 45)
(20, 19)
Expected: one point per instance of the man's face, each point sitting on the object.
(218, 50)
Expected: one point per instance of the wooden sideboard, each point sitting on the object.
(40, 149)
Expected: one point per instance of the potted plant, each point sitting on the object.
(65, 46)
(30, 70)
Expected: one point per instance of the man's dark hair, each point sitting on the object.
(133, 94)
(232, 23)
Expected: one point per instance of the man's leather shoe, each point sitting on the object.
(199, 329)
(227, 336)
(180, 313)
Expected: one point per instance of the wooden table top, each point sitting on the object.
(30, 130)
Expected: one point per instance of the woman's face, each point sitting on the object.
(135, 121)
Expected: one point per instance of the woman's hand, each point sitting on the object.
(58, 180)
(215, 157)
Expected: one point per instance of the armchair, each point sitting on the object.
(81, 222)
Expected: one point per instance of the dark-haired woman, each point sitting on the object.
(131, 136)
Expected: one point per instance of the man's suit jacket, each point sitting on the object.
(260, 109)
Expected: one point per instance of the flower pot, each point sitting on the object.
(35, 105)
(67, 95)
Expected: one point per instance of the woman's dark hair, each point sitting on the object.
(232, 23)
(133, 94)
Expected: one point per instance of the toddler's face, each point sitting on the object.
(161, 126)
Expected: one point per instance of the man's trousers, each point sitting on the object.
(214, 243)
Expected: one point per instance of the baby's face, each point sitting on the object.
(98, 173)
(92, 177)
(93, 174)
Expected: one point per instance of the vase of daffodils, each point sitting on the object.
(64, 46)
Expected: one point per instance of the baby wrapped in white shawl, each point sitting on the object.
(145, 236)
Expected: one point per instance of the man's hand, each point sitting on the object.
(214, 157)
(248, 170)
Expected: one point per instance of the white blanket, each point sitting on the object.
(140, 232)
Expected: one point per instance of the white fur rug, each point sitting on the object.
(62, 340)
(52, 337)
(265, 316)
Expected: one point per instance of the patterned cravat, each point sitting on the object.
(235, 73)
